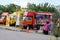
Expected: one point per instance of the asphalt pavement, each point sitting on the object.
(14, 35)
(17, 35)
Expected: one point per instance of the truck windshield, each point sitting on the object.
(27, 18)
(2, 17)
(12, 17)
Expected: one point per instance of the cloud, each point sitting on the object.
(23, 3)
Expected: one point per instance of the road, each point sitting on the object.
(13, 35)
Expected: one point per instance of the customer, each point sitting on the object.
(46, 28)
(51, 27)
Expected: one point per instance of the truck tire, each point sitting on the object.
(30, 26)
(37, 27)
(24, 27)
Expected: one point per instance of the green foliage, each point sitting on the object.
(57, 32)
(31, 7)
(44, 7)
(1, 8)
(12, 7)
(41, 7)
(9, 8)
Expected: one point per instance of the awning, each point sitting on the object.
(45, 13)
(40, 16)
(4, 13)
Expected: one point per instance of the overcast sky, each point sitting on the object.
(23, 3)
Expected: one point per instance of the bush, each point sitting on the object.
(57, 32)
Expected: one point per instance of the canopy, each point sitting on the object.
(40, 16)
(45, 13)
(4, 13)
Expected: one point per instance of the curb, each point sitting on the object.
(9, 28)
(18, 30)
(15, 29)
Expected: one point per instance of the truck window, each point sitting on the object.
(27, 18)
(12, 17)
(24, 18)
(2, 16)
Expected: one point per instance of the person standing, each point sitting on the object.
(46, 28)
(51, 27)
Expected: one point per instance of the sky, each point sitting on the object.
(23, 3)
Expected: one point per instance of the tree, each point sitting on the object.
(2, 8)
(45, 5)
(41, 7)
(9, 8)
(31, 7)
(12, 7)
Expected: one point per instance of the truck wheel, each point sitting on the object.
(31, 26)
(25, 27)
(38, 27)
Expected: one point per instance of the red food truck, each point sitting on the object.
(35, 19)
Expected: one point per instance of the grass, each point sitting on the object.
(2, 25)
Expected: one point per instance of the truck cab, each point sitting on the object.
(28, 20)
(2, 20)
(3, 17)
